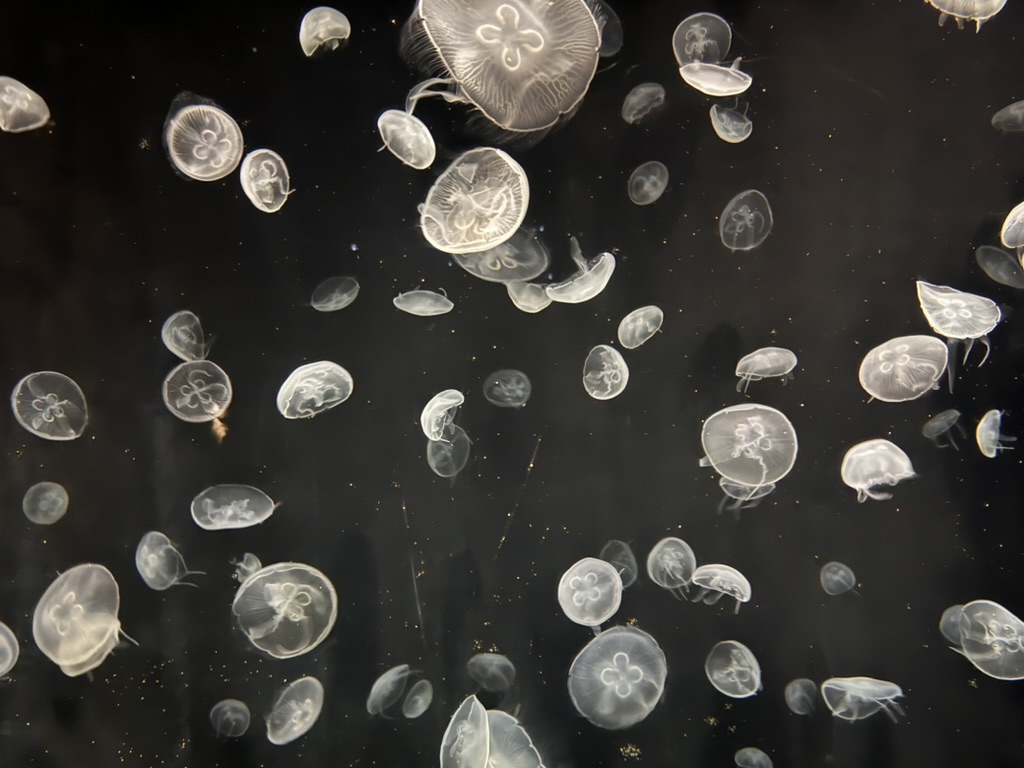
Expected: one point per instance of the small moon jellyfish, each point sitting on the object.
(611, 28)
(618, 678)
(387, 691)
(903, 368)
(648, 182)
(874, 463)
(50, 405)
(448, 456)
(733, 670)
(978, 11)
(670, 564)
(605, 373)
(21, 108)
(265, 180)
(701, 37)
(642, 101)
(323, 29)
(837, 578)
(407, 137)
(992, 639)
(160, 564)
(296, 709)
(621, 556)
(225, 506)
(1000, 266)
(439, 413)
(716, 581)
(230, 718)
(423, 303)
(522, 257)
(590, 592)
(9, 650)
(939, 428)
(737, 496)
(491, 671)
(334, 293)
(639, 326)
(418, 699)
(247, 566)
(749, 444)
(312, 389)
(197, 391)
(286, 609)
(510, 745)
(466, 740)
(715, 79)
(752, 757)
(855, 698)
(203, 141)
(746, 221)
(1009, 119)
(765, 363)
(988, 437)
(507, 388)
(949, 626)
(182, 334)
(45, 503)
(731, 125)
(958, 316)
(528, 297)
(590, 279)
(1011, 234)
(801, 694)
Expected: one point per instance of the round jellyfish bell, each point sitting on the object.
(978, 11)
(1011, 234)
(837, 578)
(959, 316)
(466, 740)
(647, 183)
(510, 744)
(418, 699)
(749, 444)
(230, 718)
(407, 137)
(642, 101)
(988, 437)
(182, 334)
(197, 391)
(590, 592)
(296, 709)
(714, 79)
(701, 37)
(334, 293)
(9, 650)
(992, 639)
(733, 670)
(523, 256)
(903, 368)
(227, 506)
(765, 363)
(855, 698)
(752, 757)
(323, 29)
(507, 388)
(716, 581)
(312, 389)
(670, 564)
(439, 413)
(21, 108)
(50, 405)
(746, 221)
(618, 678)
(939, 428)
(493, 672)
(265, 180)
(801, 694)
(160, 564)
(448, 456)
(386, 691)
(203, 141)
(605, 373)
(621, 556)
(874, 463)
(731, 125)
(639, 326)
(591, 277)
(45, 503)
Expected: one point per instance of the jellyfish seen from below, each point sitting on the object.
(407, 137)
(737, 496)
(752, 757)
(1000, 266)
(466, 740)
(1011, 234)
(160, 564)
(988, 437)
(801, 694)
(423, 303)
(958, 316)
(765, 363)
(478, 202)
(939, 428)
(286, 609)
(855, 698)
(182, 334)
(670, 564)
(9, 650)
(605, 373)
(618, 678)
(226, 506)
(528, 297)
(903, 368)
(731, 125)
(715, 581)
(50, 405)
(701, 37)
(439, 413)
(621, 556)
(418, 699)
(296, 709)
(510, 745)
(491, 671)
(21, 108)
(203, 141)
(1009, 119)
(334, 293)
(312, 389)
(230, 718)
(715, 79)
(45, 503)
(507, 388)
(746, 221)
(197, 391)
(323, 29)
(837, 578)
(647, 183)
(642, 101)
(992, 639)
(522, 257)
(590, 592)
(448, 456)
(640, 326)
(750, 444)
(733, 670)
(387, 691)
(590, 279)
(265, 180)
(978, 11)
(874, 463)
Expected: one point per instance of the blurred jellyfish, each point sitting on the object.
(528, 297)
(855, 698)
(491, 671)
(522, 257)
(448, 456)
(387, 691)
(439, 413)
(334, 293)
(801, 693)
(203, 141)
(296, 709)
(21, 108)
(407, 137)
(50, 405)
(701, 37)
(999, 265)
(670, 564)
(949, 626)
(510, 744)
(837, 578)
(752, 757)
(230, 718)
(590, 279)
(648, 182)
(978, 11)
(418, 699)
(939, 428)
(731, 125)
(197, 391)
(642, 101)
(621, 556)
(765, 363)
(9, 650)
(639, 326)
(590, 592)
(903, 368)
(988, 437)
(226, 506)
(605, 373)
(1009, 119)
(737, 496)
(746, 221)
(733, 670)
(507, 388)
(715, 581)
(45, 503)
(714, 79)
(466, 740)
(874, 463)
(312, 389)
(323, 29)
(751, 444)
(423, 303)
(992, 639)
(265, 180)
(247, 566)
(182, 334)
(958, 316)
(160, 564)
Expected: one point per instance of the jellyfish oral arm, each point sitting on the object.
(427, 88)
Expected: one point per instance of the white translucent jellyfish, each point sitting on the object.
(903, 368)
(639, 326)
(21, 108)
(286, 609)
(590, 592)
(765, 363)
(978, 11)
(1011, 234)
(837, 578)
(418, 699)
(323, 29)
(439, 413)
(493, 672)
(618, 678)
(939, 428)
(160, 564)
(958, 316)
(590, 279)
(45, 503)
(525, 65)
(1000, 266)
(197, 391)
(230, 718)
(670, 564)
(716, 80)
(226, 506)
(467, 739)
(874, 463)
(423, 303)
(737, 496)
(731, 125)
(182, 334)
(334, 293)
(522, 257)
(752, 757)
(949, 626)
(528, 297)
(647, 183)
(246, 566)
(296, 708)
(448, 456)
(312, 389)
(621, 556)
(855, 698)
(992, 639)
(507, 388)
(50, 405)
(510, 744)
(988, 437)
(1009, 119)
(407, 137)
(611, 28)
(801, 694)
(203, 141)
(733, 670)
(9, 650)
(749, 444)
(477, 203)
(716, 581)
(746, 221)
(642, 101)
(701, 37)
(605, 373)
(387, 691)
(265, 180)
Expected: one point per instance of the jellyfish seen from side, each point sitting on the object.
(988, 436)
(857, 698)
(872, 464)
(939, 428)
(903, 368)
(21, 108)
(160, 564)
(959, 316)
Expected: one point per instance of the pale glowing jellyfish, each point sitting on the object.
(648, 182)
(671, 564)
(903, 368)
(639, 326)
(510, 744)
(605, 373)
(226, 506)
(1009, 119)
(230, 718)
(423, 303)
(197, 391)
(387, 691)
(312, 389)
(182, 334)
(733, 670)
(988, 437)
(323, 29)
(958, 316)
(296, 708)
(837, 578)
(45, 503)
(407, 137)
(731, 125)
(746, 221)
(701, 37)
(448, 456)
(714, 79)
(1011, 234)
(765, 363)
(749, 444)
(801, 694)
(507, 388)
(590, 279)
(999, 265)
(265, 180)
(160, 564)
(590, 592)
(949, 626)
(50, 405)
(528, 297)
(978, 11)
(334, 293)
(491, 671)
(621, 556)
(716, 581)
(752, 757)
(9, 650)
(439, 413)
(940, 427)
(992, 639)
(466, 740)
(246, 566)
(872, 464)
(203, 141)
(855, 698)
(522, 257)
(643, 100)
(21, 108)
(418, 699)
(737, 496)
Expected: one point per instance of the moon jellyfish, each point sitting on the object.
(312, 389)
(203, 141)
(642, 101)
(670, 564)
(716, 80)
(618, 678)
(1000, 266)
(386, 691)
(21, 108)
(648, 182)
(478, 202)
(423, 303)
(507, 388)
(296, 708)
(765, 363)
(226, 506)
(323, 28)
(940, 427)
(528, 297)
(752, 757)
(160, 564)
(182, 334)
(439, 413)
(334, 293)
(988, 437)
(466, 740)
(836, 578)
(1011, 234)
(448, 456)
(746, 221)
(855, 698)
(801, 694)
(949, 626)
(45, 503)
(958, 316)
(50, 405)
(590, 279)
(590, 592)
(491, 671)
(621, 556)
(197, 391)
(874, 463)
(701, 37)
(717, 581)
(605, 373)
(510, 745)
(9, 650)
(749, 444)
(407, 137)
(522, 257)
(247, 566)
(611, 28)
(733, 670)
(992, 639)
(265, 180)
(978, 11)
(1009, 119)
(903, 368)
(418, 699)
(739, 496)
(639, 326)
(286, 609)
(230, 718)
(731, 125)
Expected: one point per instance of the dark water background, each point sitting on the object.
(871, 140)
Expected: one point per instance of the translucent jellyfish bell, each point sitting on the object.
(1009, 119)
(182, 334)
(733, 670)
(1000, 266)
(605, 373)
(386, 691)
(978, 11)
(647, 183)
(510, 744)
(701, 37)
(197, 391)
(749, 444)
(590, 279)
(737, 496)
(160, 564)
(50, 405)
(9, 650)
(670, 564)
(203, 141)
(491, 671)
(230, 718)
(448, 456)
(590, 592)
(988, 437)
(949, 626)
(992, 639)
(746, 221)
(939, 428)
(467, 739)
(752, 757)
(903, 368)
(246, 566)
(45, 503)
(423, 303)
(731, 125)
(323, 29)
(801, 694)
(296, 709)
(765, 363)
(618, 678)
(407, 137)
(1011, 234)
(528, 297)
(639, 326)
(418, 699)
(855, 698)
(507, 388)
(523, 256)
(874, 463)
(21, 108)
(265, 180)
(837, 578)
(621, 556)
(312, 389)
(439, 412)
(958, 316)
(227, 506)
(716, 581)
(716, 80)
(334, 293)
(643, 100)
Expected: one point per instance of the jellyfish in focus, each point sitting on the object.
(765, 363)
(528, 297)
(940, 427)
(160, 564)
(334, 293)
(491, 671)
(855, 698)
(731, 125)
(323, 29)
(732, 669)
(9, 650)
(507, 388)
(714, 79)
(466, 740)
(591, 277)
(418, 699)
(386, 691)
(448, 456)
(903, 368)
(716, 581)
(988, 437)
(750, 444)
(874, 463)
(801, 694)
(992, 639)
(1009, 119)
(265, 180)
(590, 592)
(642, 101)
(605, 373)
(312, 389)
(203, 141)
(837, 578)
(671, 564)
(648, 182)
(958, 316)
(639, 326)
(45, 503)
(407, 137)
(752, 757)
(230, 718)
(50, 405)
(1011, 234)
(701, 37)
(978, 11)
(182, 334)
(746, 221)
(439, 413)
(197, 391)
(423, 303)
(296, 709)
(1000, 266)
(21, 108)
(226, 506)
(621, 556)
(523, 256)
